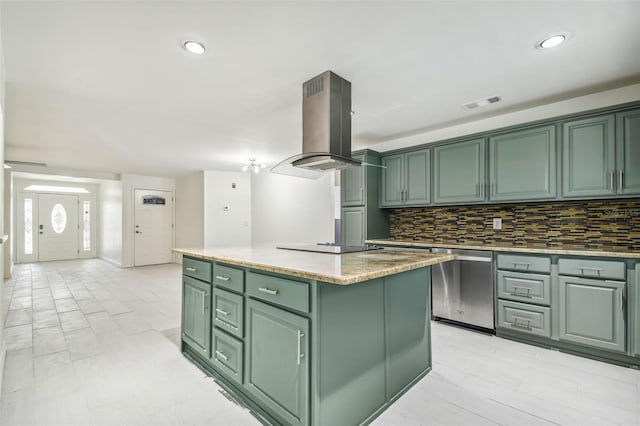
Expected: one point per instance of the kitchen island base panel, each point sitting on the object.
(368, 344)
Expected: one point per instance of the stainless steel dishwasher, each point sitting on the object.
(462, 290)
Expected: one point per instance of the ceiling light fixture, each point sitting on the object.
(552, 40)
(253, 166)
(481, 102)
(194, 47)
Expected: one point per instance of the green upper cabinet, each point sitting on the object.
(353, 185)
(406, 179)
(276, 361)
(459, 172)
(588, 157)
(628, 152)
(522, 165)
(196, 315)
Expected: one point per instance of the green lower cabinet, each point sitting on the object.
(524, 318)
(353, 226)
(226, 354)
(635, 302)
(276, 361)
(196, 315)
(592, 312)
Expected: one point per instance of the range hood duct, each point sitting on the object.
(326, 128)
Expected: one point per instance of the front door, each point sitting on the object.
(153, 227)
(58, 227)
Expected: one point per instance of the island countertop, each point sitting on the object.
(340, 269)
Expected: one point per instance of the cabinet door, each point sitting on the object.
(458, 172)
(391, 185)
(352, 185)
(636, 309)
(196, 316)
(522, 165)
(417, 177)
(588, 157)
(592, 312)
(353, 226)
(628, 152)
(276, 362)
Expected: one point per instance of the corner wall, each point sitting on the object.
(3, 346)
(110, 222)
(227, 209)
(190, 210)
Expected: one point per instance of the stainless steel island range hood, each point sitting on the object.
(326, 128)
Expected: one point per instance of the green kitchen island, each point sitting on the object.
(307, 338)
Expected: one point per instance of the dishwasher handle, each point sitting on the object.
(473, 258)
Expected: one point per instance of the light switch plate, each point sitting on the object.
(497, 223)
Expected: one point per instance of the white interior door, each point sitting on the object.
(58, 227)
(153, 227)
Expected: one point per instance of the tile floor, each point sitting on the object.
(93, 344)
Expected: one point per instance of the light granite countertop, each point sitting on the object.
(340, 269)
(568, 250)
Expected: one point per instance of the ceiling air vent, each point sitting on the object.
(314, 86)
(481, 103)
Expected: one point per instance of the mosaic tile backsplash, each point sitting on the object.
(600, 225)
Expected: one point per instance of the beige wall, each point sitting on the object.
(2, 113)
(110, 226)
(190, 210)
(227, 208)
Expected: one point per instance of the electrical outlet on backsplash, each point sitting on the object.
(593, 224)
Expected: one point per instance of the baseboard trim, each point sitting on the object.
(111, 261)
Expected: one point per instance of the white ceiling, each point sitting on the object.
(106, 86)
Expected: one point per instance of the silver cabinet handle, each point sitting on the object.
(622, 299)
(190, 269)
(220, 311)
(222, 355)
(268, 291)
(596, 270)
(526, 264)
(611, 183)
(620, 179)
(516, 324)
(362, 193)
(222, 278)
(204, 301)
(515, 292)
(477, 189)
(300, 355)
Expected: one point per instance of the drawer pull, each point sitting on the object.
(204, 302)
(222, 278)
(268, 291)
(190, 269)
(526, 264)
(300, 355)
(587, 268)
(222, 355)
(220, 311)
(517, 324)
(515, 292)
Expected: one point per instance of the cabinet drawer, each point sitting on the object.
(289, 293)
(592, 268)
(226, 354)
(228, 311)
(525, 318)
(228, 277)
(529, 288)
(200, 269)
(524, 263)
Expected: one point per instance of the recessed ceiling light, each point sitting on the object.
(481, 102)
(552, 40)
(194, 47)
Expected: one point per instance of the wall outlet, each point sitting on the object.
(497, 223)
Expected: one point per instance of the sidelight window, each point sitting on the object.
(28, 226)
